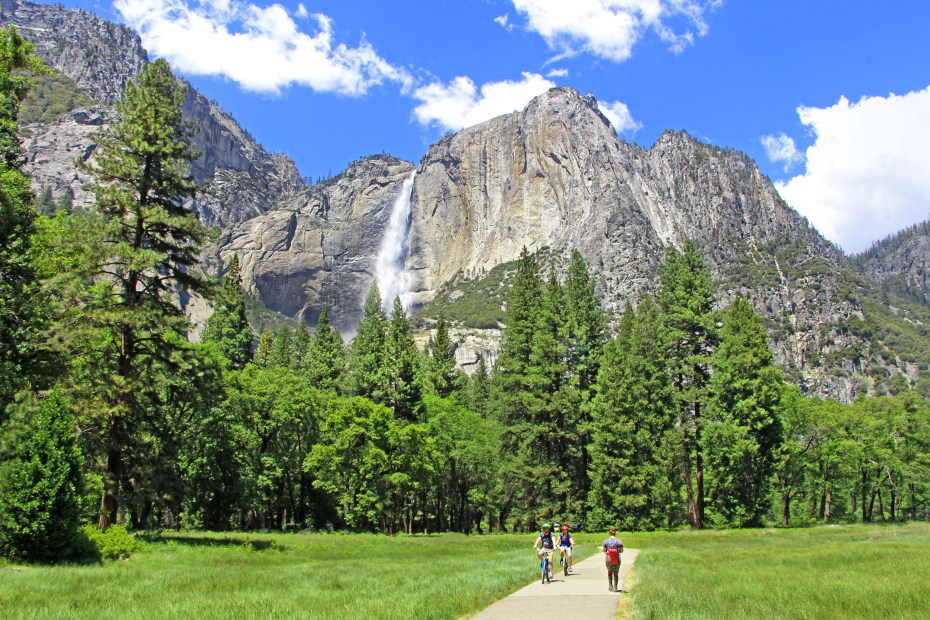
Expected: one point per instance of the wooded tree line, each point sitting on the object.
(109, 413)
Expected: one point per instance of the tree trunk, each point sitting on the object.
(109, 501)
(785, 508)
(829, 505)
(699, 468)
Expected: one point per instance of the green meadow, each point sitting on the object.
(854, 571)
(280, 575)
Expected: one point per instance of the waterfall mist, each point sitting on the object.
(390, 268)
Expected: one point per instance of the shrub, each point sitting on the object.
(40, 481)
(113, 544)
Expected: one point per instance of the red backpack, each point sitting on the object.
(614, 554)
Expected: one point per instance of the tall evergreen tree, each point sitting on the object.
(689, 330)
(441, 361)
(19, 316)
(405, 392)
(265, 349)
(584, 336)
(513, 400)
(283, 350)
(300, 347)
(326, 359)
(480, 389)
(228, 326)
(743, 431)
(120, 320)
(367, 355)
(634, 484)
(549, 435)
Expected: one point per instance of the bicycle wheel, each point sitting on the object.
(544, 567)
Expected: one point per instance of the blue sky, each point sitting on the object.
(832, 99)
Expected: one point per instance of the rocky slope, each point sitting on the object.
(901, 262)
(320, 246)
(240, 179)
(552, 177)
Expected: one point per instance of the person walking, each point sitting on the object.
(612, 547)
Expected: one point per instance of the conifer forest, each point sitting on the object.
(672, 414)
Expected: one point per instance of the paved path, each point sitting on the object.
(583, 594)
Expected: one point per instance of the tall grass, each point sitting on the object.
(856, 571)
(281, 575)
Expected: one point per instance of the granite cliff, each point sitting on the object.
(552, 177)
(240, 179)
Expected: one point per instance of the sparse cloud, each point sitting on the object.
(557, 73)
(609, 28)
(261, 48)
(504, 21)
(867, 173)
(619, 116)
(780, 149)
(301, 12)
(461, 103)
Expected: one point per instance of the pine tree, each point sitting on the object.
(743, 431)
(441, 360)
(283, 350)
(228, 326)
(120, 320)
(367, 355)
(19, 303)
(548, 437)
(584, 335)
(265, 349)
(634, 484)
(300, 347)
(689, 332)
(405, 392)
(512, 392)
(327, 359)
(480, 389)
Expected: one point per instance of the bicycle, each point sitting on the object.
(545, 565)
(566, 569)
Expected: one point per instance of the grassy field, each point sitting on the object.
(281, 575)
(825, 572)
(856, 571)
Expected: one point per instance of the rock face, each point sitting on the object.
(556, 175)
(99, 56)
(240, 179)
(901, 261)
(319, 248)
(552, 177)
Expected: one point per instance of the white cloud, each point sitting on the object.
(868, 173)
(301, 12)
(780, 149)
(261, 48)
(460, 103)
(610, 28)
(558, 73)
(619, 116)
(504, 21)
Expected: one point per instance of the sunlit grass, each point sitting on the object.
(857, 571)
(277, 575)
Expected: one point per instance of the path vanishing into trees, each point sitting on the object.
(583, 594)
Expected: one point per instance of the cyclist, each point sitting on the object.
(565, 546)
(547, 542)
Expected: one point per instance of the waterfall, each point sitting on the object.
(390, 268)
